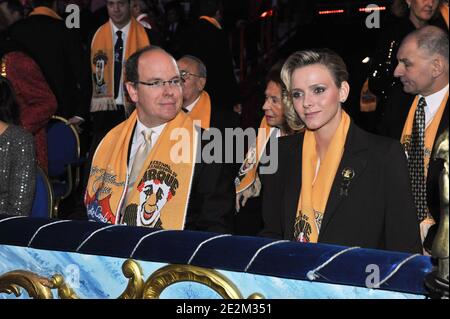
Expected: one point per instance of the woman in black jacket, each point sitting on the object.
(336, 183)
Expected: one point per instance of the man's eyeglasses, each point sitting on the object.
(185, 74)
(176, 82)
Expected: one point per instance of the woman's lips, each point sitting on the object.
(311, 114)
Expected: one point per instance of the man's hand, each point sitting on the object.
(76, 122)
(253, 191)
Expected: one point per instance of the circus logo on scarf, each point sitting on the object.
(247, 165)
(157, 188)
(100, 61)
(99, 203)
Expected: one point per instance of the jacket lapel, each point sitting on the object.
(350, 169)
(443, 125)
(292, 185)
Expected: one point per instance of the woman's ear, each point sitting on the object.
(344, 91)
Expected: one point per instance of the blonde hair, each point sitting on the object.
(331, 60)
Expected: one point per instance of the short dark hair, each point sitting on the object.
(209, 7)
(131, 66)
(201, 67)
(274, 75)
(9, 110)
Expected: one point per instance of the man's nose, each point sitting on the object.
(398, 72)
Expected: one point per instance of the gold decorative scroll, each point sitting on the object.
(39, 287)
(172, 274)
(135, 287)
(64, 291)
(36, 286)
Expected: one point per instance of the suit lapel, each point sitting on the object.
(443, 125)
(292, 185)
(350, 169)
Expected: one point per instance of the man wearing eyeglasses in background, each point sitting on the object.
(197, 102)
(141, 173)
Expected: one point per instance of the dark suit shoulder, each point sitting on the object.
(381, 144)
(40, 21)
(380, 148)
(290, 142)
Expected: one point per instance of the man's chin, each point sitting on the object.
(408, 89)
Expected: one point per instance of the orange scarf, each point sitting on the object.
(160, 196)
(102, 63)
(316, 188)
(46, 12)
(444, 12)
(213, 21)
(248, 171)
(202, 111)
(430, 132)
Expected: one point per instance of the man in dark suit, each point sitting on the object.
(199, 196)
(59, 53)
(419, 114)
(208, 42)
(110, 47)
(194, 75)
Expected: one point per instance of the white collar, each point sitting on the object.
(435, 99)
(124, 30)
(191, 106)
(140, 127)
(433, 103)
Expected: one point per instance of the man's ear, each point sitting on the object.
(201, 84)
(437, 66)
(132, 91)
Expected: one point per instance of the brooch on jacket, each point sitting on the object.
(347, 175)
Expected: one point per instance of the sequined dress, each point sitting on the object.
(17, 171)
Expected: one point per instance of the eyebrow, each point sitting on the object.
(312, 86)
(159, 79)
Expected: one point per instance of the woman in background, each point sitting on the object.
(251, 177)
(17, 157)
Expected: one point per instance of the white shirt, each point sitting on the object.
(138, 138)
(125, 30)
(191, 106)
(433, 103)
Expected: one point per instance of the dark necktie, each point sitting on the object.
(416, 160)
(118, 55)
